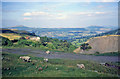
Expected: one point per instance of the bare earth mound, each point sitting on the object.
(103, 44)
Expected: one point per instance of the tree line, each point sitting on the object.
(44, 43)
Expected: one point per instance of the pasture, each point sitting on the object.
(13, 66)
(10, 36)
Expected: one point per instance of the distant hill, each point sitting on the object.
(19, 27)
(112, 32)
(93, 27)
(14, 31)
(100, 28)
(6, 31)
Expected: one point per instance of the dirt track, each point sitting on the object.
(61, 55)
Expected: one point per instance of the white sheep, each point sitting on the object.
(48, 52)
(26, 58)
(81, 66)
(45, 59)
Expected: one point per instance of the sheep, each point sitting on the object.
(56, 68)
(48, 52)
(81, 66)
(25, 58)
(45, 59)
(102, 63)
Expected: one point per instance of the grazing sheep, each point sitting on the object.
(56, 68)
(25, 58)
(2, 58)
(102, 64)
(45, 59)
(48, 52)
(80, 66)
(8, 68)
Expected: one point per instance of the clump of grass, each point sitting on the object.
(109, 54)
(97, 53)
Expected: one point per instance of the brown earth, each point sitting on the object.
(103, 44)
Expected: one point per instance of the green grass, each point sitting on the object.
(109, 54)
(66, 68)
(106, 54)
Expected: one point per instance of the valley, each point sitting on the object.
(74, 35)
(62, 58)
(59, 39)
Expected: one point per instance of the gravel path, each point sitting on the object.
(61, 55)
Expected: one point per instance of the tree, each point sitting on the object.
(85, 46)
(50, 46)
(6, 42)
(22, 38)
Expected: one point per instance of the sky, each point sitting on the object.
(59, 14)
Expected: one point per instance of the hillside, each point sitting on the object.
(16, 31)
(20, 38)
(103, 44)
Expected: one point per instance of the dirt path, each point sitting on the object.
(61, 55)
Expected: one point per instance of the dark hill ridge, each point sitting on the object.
(19, 27)
(103, 44)
(6, 31)
(15, 31)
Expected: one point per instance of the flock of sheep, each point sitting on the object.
(27, 59)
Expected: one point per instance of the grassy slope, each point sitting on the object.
(10, 36)
(66, 68)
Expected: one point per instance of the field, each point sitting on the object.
(10, 36)
(15, 67)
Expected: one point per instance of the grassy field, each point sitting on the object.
(10, 36)
(15, 67)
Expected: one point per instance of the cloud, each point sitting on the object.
(61, 16)
(34, 13)
(39, 15)
(60, 0)
(26, 18)
(100, 6)
(45, 15)
(99, 12)
(109, 0)
(27, 14)
(89, 13)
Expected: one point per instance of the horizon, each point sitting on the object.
(59, 14)
(59, 27)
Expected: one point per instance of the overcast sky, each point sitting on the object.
(60, 14)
